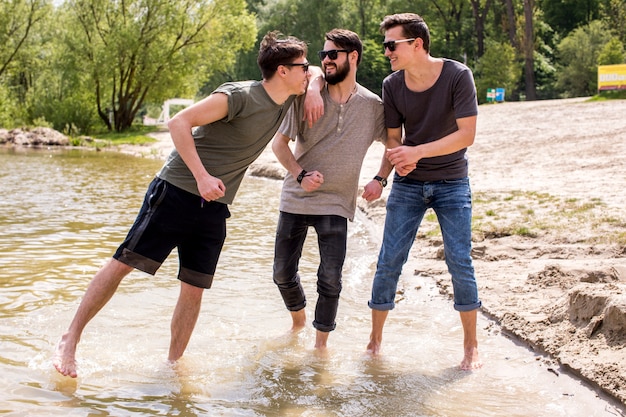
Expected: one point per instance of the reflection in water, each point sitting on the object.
(63, 213)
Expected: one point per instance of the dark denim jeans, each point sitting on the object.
(408, 201)
(331, 238)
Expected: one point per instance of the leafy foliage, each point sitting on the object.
(566, 15)
(19, 21)
(614, 16)
(612, 53)
(497, 68)
(85, 64)
(142, 50)
(61, 92)
(579, 56)
(374, 66)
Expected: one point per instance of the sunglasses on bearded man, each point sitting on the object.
(332, 54)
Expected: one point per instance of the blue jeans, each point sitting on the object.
(332, 233)
(408, 201)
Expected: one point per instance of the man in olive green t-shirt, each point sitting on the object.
(186, 205)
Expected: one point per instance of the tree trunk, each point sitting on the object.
(512, 23)
(529, 49)
(103, 113)
(479, 23)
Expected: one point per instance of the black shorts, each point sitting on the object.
(171, 217)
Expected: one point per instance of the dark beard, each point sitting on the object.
(341, 72)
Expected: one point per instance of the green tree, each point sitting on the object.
(578, 53)
(365, 16)
(374, 66)
(614, 15)
(566, 15)
(139, 51)
(612, 53)
(18, 22)
(8, 108)
(46, 86)
(545, 59)
(305, 19)
(452, 28)
(61, 92)
(528, 48)
(497, 68)
(480, 11)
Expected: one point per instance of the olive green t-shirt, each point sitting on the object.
(227, 147)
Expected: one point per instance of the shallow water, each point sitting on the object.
(63, 213)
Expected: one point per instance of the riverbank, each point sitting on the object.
(549, 229)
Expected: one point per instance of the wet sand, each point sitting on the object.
(548, 179)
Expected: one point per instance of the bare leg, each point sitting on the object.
(321, 338)
(298, 319)
(376, 337)
(184, 319)
(470, 342)
(100, 290)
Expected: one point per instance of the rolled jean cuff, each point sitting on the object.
(297, 307)
(468, 307)
(381, 307)
(324, 328)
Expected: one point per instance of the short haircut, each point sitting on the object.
(276, 50)
(346, 39)
(413, 26)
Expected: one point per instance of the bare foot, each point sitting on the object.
(373, 348)
(65, 358)
(470, 360)
(321, 340)
(298, 319)
(295, 328)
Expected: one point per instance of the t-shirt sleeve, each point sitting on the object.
(380, 133)
(290, 125)
(236, 99)
(393, 117)
(464, 101)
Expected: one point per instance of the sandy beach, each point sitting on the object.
(548, 179)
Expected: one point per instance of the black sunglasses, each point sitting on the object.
(304, 66)
(391, 45)
(331, 54)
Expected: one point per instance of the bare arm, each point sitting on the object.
(313, 104)
(405, 158)
(374, 189)
(280, 146)
(210, 109)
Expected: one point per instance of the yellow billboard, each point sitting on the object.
(612, 77)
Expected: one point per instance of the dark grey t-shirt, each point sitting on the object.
(431, 115)
(227, 147)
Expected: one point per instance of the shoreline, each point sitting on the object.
(558, 168)
(549, 230)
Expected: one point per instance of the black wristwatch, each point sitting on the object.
(301, 176)
(381, 180)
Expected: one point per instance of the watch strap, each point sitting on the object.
(381, 180)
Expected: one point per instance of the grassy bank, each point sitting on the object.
(136, 135)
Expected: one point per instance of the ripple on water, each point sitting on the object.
(67, 212)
